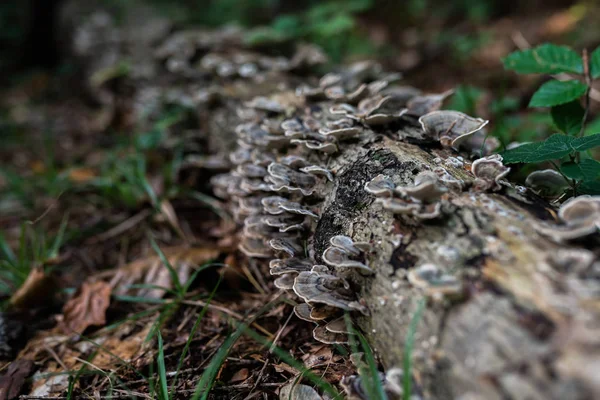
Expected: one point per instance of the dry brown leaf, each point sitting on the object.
(87, 307)
(34, 291)
(240, 376)
(151, 271)
(322, 356)
(82, 175)
(283, 367)
(12, 380)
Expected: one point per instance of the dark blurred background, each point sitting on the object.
(406, 34)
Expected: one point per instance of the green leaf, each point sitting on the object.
(544, 59)
(595, 63)
(568, 117)
(554, 92)
(586, 142)
(586, 170)
(556, 146)
(592, 127)
(589, 187)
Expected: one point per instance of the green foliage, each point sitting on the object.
(331, 25)
(586, 170)
(555, 147)
(544, 59)
(565, 151)
(568, 117)
(595, 63)
(35, 248)
(555, 92)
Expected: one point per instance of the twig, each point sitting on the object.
(279, 333)
(122, 227)
(200, 303)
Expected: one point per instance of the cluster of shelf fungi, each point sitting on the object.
(285, 146)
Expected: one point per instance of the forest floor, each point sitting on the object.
(86, 193)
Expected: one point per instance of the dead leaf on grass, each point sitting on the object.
(87, 307)
(240, 376)
(322, 356)
(14, 378)
(151, 271)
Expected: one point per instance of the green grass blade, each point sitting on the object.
(167, 264)
(162, 370)
(408, 349)
(208, 377)
(325, 386)
(58, 241)
(193, 332)
(372, 374)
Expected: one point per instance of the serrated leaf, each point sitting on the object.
(553, 148)
(555, 92)
(586, 142)
(589, 187)
(586, 170)
(568, 117)
(595, 63)
(544, 59)
(556, 146)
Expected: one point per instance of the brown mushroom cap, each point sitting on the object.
(324, 336)
(338, 325)
(320, 312)
(302, 311)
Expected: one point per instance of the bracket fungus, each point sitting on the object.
(380, 186)
(284, 282)
(580, 217)
(323, 335)
(451, 128)
(433, 281)
(422, 104)
(488, 172)
(547, 183)
(327, 289)
(422, 199)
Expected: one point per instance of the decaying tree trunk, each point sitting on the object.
(529, 326)
(527, 322)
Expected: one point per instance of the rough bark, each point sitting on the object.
(527, 328)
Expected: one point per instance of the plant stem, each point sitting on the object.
(588, 82)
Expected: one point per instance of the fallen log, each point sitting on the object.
(512, 311)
